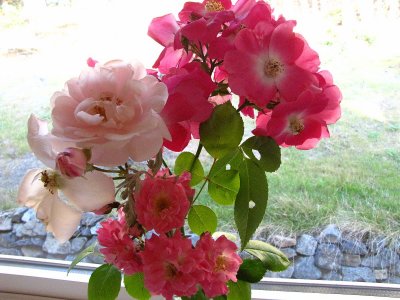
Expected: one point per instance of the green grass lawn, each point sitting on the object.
(352, 179)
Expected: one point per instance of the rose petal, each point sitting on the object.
(90, 192)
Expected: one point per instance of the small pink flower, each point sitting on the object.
(170, 266)
(112, 109)
(71, 162)
(302, 123)
(118, 247)
(220, 263)
(163, 202)
(273, 59)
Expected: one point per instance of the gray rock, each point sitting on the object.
(305, 268)
(328, 257)
(6, 223)
(306, 245)
(382, 260)
(77, 244)
(7, 240)
(353, 247)
(35, 241)
(395, 280)
(91, 242)
(280, 241)
(85, 231)
(377, 244)
(331, 234)
(94, 229)
(351, 260)
(361, 274)
(381, 275)
(289, 252)
(332, 275)
(30, 228)
(70, 257)
(18, 213)
(288, 273)
(96, 259)
(10, 251)
(29, 215)
(395, 269)
(90, 219)
(32, 251)
(52, 246)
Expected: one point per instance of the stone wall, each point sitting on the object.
(330, 255)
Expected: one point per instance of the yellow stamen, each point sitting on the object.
(273, 68)
(296, 126)
(214, 5)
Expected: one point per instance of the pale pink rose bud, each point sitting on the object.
(72, 162)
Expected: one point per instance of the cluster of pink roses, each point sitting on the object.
(162, 203)
(242, 49)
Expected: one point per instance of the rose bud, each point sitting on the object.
(72, 162)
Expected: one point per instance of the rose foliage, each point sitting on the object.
(222, 62)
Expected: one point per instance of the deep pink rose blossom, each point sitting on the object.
(220, 263)
(163, 202)
(170, 266)
(118, 247)
(112, 109)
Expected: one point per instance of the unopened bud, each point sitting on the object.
(71, 162)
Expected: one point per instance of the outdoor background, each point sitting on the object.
(352, 179)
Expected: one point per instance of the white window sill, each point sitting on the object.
(23, 278)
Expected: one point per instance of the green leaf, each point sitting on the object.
(223, 131)
(232, 161)
(134, 285)
(85, 252)
(239, 290)
(272, 258)
(222, 297)
(224, 187)
(228, 235)
(251, 200)
(184, 162)
(104, 283)
(251, 270)
(201, 219)
(268, 151)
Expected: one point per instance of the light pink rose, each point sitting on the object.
(112, 109)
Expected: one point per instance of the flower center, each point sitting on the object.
(220, 264)
(49, 180)
(295, 125)
(214, 5)
(161, 203)
(273, 68)
(170, 271)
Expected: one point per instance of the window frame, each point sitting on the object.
(26, 277)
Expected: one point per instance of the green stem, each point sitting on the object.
(246, 103)
(165, 165)
(196, 156)
(204, 183)
(93, 167)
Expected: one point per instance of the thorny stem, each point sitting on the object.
(196, 157)
(165, 165)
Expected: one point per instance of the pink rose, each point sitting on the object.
(163, 202)
(112, 109)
